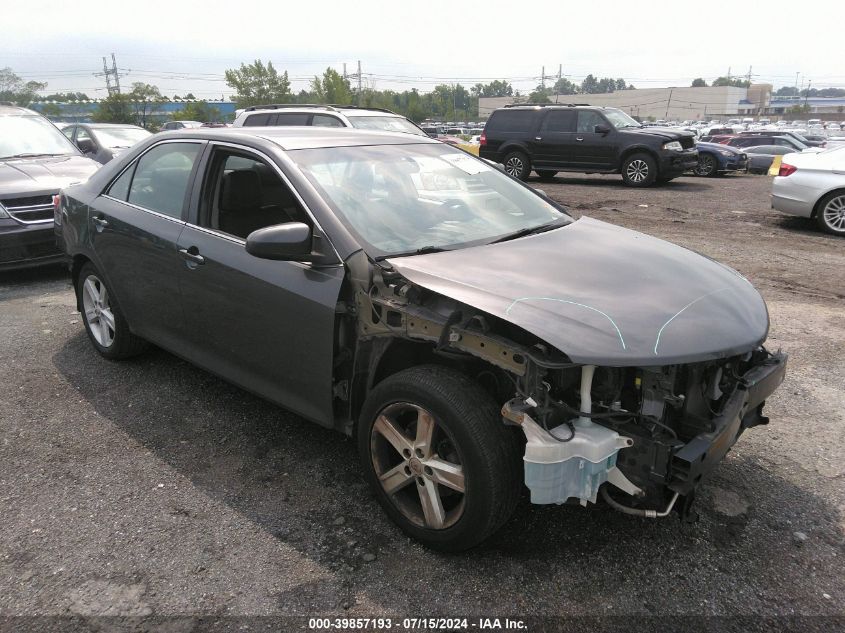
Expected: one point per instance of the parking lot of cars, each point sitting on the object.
(111, 464)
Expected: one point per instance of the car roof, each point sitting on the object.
(348, 110)
(305, 137)
(13, 110)
(98, 126)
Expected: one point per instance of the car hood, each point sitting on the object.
(661, 132)
(603, 295)
(49, 174)
(719, 147)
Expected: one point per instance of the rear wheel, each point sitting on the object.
(438, 457)
(546, 174)
(517, 165)
(639, 170)
(707, 166)
(831, 213)
(104, 322)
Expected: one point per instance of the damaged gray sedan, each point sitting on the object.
(471, 335)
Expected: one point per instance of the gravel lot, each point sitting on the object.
(151, 487)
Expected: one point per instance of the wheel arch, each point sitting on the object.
(79, 260)
(378, 359)
(639, 149)
(818, 204)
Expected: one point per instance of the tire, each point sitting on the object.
(708, 166)
(546, 174)
(106, 326)
(517, 164)
(469, 447)
(639, 170)
(831, 213)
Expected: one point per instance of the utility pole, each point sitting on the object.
(355, 76)
(109, 74)
(748, 76)
(807, 94)
(669, 103)
(543, 77)
(796, 84)
(359, 82)
(559, 77)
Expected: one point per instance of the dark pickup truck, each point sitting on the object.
(586, 139)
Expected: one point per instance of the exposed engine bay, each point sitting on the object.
(642, 437)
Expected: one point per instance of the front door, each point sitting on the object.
(265, 325)
(594, 150)
(134, 228)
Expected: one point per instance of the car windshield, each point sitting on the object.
(619, 119)
(120, 136)
(398, 199)
(385, 123)
(22, 136)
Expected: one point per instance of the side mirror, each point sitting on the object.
(286, 242)
(601, 129)
(86, 146)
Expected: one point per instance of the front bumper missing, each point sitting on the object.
(690, 463)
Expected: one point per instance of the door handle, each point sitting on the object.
(100, 223)
(191, 255)
(538, 138)
(579, 138)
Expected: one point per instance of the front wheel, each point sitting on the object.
(438, 457)
(831, 213)
(707, 166)
(639, 170)
(517, 165)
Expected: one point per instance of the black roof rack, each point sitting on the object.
(357, 107)
(323, 106)
(282, 106)
(547, 105)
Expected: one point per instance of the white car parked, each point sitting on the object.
(813, 186)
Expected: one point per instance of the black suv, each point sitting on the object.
(553, 138)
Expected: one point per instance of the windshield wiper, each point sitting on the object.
(542, 228)
(30, 155)
(423, 250)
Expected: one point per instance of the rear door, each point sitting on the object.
(555, 141)
(594, 150)
(134, 229)
(265, 325)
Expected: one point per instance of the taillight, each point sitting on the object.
(482, 141)
(786, 169)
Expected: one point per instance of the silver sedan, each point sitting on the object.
(813, 186)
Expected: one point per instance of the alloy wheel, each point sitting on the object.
(705, 165)
(637, 170)
(514, 166)
(418, 465)
(834, 214)
(97, 310)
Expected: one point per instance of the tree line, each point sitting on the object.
(258, 83)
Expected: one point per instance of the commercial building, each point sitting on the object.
(677, 104)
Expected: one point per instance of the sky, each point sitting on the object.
(186, 46)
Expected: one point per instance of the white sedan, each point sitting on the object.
(813, 186)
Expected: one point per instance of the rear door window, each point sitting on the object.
(559, 121)
(290, 118)
(256, 120)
